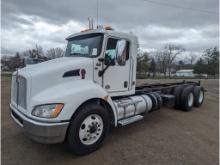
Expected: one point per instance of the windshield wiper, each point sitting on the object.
(75, 54)
(79, 54)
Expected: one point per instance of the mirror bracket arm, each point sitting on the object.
(101, 72)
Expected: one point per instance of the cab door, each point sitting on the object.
(116, 77)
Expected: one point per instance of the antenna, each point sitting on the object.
(90, 19)
(97, 13)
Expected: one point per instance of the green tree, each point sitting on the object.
(200, 67)
(142, 63)
(211, 57)
(152, 67)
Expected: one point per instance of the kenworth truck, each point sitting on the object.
(77, 98)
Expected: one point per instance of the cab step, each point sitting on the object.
(130, 120)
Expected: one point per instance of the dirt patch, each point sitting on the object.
(167, 136)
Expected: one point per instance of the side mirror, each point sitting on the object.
(121, 52)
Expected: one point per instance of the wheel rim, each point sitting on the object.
(190, 99)
(91, 129)
(201, 95)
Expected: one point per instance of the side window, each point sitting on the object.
(111, 51)
(111, 48)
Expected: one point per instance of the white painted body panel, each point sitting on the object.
(72, 94)
(116, 75)
(46, 84)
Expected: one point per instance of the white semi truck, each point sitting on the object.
(75, 99)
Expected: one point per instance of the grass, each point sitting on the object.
(142, 76)
(6, 76)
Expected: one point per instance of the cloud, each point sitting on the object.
(46, 23)
(193, 39)
(32, 30)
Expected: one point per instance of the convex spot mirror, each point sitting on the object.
(121, 52)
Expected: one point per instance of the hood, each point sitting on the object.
(50, 73)
(58, 64)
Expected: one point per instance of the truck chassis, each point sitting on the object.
(181, 95)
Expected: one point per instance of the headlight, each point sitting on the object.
(48, 110)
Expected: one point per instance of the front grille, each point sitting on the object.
(19, 93)
(14, 89)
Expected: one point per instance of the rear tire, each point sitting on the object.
(199, 96)
(187, 98)
(177, 93)
(88, 129)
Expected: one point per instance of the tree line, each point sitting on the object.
(164, 62)
(31, 56)
(208, 63)
(168, 60)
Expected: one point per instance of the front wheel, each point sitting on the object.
(88, 129)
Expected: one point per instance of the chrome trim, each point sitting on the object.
(19, 90)
(39, 131)
(34, 118)
(16, 120)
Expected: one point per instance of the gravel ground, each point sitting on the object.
(166, 137)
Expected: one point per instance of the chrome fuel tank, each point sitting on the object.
(133, 105)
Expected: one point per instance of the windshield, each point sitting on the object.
(88, 45)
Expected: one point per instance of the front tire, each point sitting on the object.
(88, 129)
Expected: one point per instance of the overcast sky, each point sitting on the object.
(190, 23)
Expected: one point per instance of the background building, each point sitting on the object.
(185, 73)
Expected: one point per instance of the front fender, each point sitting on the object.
(72, 94)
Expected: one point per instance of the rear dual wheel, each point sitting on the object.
(188, 96)
(177, 93)
(199, 94)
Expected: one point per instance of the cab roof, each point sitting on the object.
(113, 33)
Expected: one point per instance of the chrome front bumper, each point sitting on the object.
(40, 131)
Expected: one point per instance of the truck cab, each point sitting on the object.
(116, 74)
(75, 99)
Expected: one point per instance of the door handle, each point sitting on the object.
(125, 84)
(98, 64)
(101, 59)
